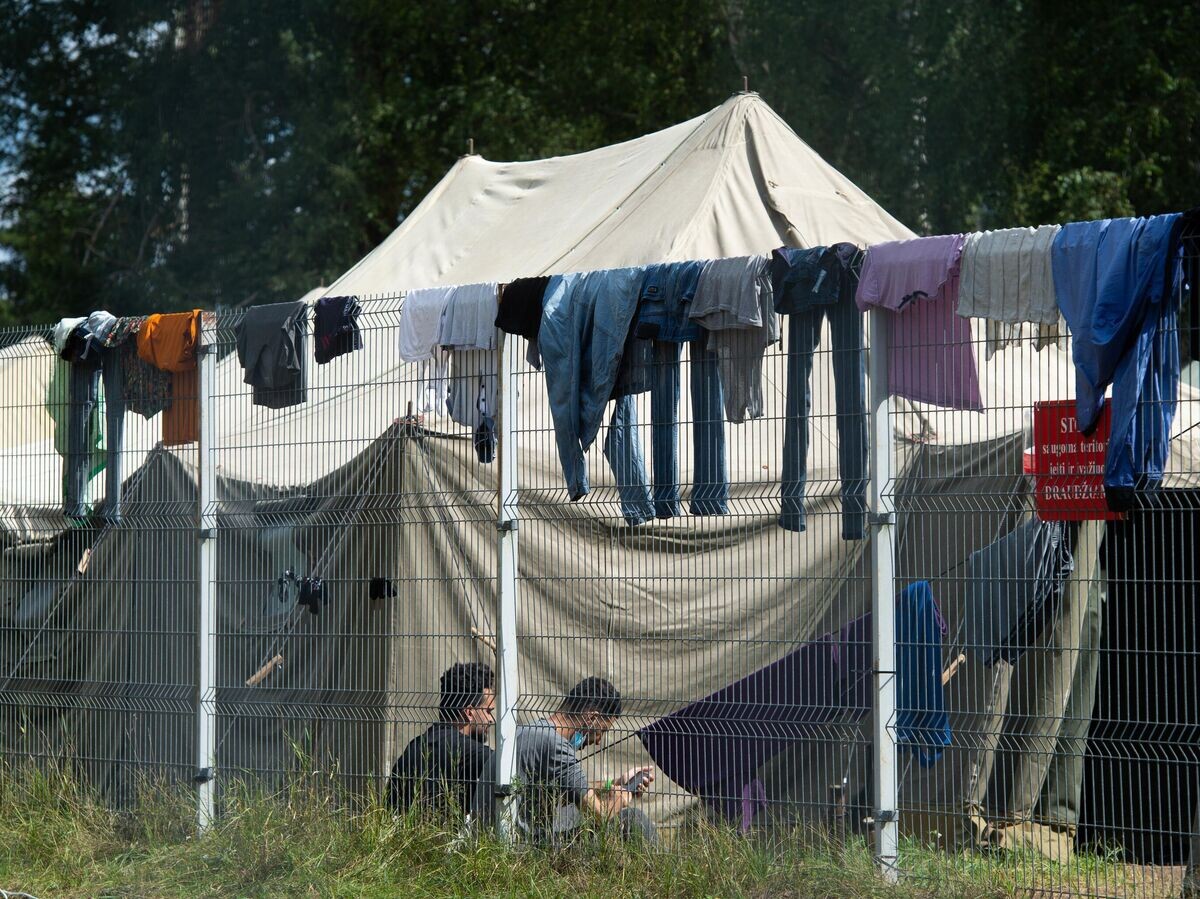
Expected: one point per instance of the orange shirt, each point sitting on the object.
(169, 342)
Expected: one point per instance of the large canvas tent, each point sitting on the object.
(346, 489)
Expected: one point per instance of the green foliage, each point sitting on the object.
(227, 151)
(310, 838)
(957, 116)
(161, 156)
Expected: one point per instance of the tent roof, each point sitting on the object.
(734, 181)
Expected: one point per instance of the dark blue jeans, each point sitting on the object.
(84, 388)
(623, 448)
(114, 416)
(710, 478)
(849, 381)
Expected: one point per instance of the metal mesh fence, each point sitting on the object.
(283, 594)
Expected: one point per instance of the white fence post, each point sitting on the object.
(508, 683)
(206, 619)
(883, 602)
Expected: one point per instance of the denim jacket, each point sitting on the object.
(585, 321)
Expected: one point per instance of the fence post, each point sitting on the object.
(508, 684)
(883, 603)
(206, 620)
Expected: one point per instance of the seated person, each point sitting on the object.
(439, 768)
(551, 791)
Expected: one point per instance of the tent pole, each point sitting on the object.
(507, 684)
(883, 603)
(206, 620)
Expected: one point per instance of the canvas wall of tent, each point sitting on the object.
(98, 660)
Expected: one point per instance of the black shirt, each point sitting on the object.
(439, 769)
(521, 307)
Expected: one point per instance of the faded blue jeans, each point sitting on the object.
(114, 416)
(849, 382)
(585, 322)
(623, 447)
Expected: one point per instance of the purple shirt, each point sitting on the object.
(931, 359)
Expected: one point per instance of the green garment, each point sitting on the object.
(58, 405)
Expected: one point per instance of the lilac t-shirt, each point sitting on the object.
(930, 355)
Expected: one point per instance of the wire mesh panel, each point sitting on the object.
(356, 556)
(694, 543)
(98, 568)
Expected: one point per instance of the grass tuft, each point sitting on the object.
(58, 838)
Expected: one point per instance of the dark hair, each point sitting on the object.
(592, 694)
(462, 686)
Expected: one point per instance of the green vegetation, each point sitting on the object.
(57, 840)
(156, 156)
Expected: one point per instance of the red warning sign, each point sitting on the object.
(1068, 468)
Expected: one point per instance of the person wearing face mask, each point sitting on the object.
(553, 799)
(439, 769)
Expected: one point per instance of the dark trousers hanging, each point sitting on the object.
(849, 382)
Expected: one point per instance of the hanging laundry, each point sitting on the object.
(930, 358)
(710, 476)
(81, 343)
(335, 328)
(433, 382)
(145, 389)
(1116, 284)
(61, 332)
(271, 348)
(1189, 224)
(811, 286)
(169, 343)
(468, 331)
(585, 322)
(520, 312)
(733, 303)
(97, 334)
(421, 322)
(74, 405)
(922, 724)
(1007, 279)
(471, 384)
(664, 305)
(657, 369)
(623, 450)
(469, 318)
(1016, 586)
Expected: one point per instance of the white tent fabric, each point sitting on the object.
(734, 181)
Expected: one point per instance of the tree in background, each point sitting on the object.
(160, 156)
(958, 116)
(226, 151)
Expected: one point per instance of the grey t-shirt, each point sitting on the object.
(548, 777)
(735, 305)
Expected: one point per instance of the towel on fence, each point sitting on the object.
(421, 322)
(1007, 279)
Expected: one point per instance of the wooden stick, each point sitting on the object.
(83, 562)
(260, 675)
(953, 667)
(484, 639)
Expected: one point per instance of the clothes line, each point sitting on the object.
(604, 337)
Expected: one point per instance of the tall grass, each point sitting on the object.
(58, 839)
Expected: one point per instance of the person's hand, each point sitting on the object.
(646, 781)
